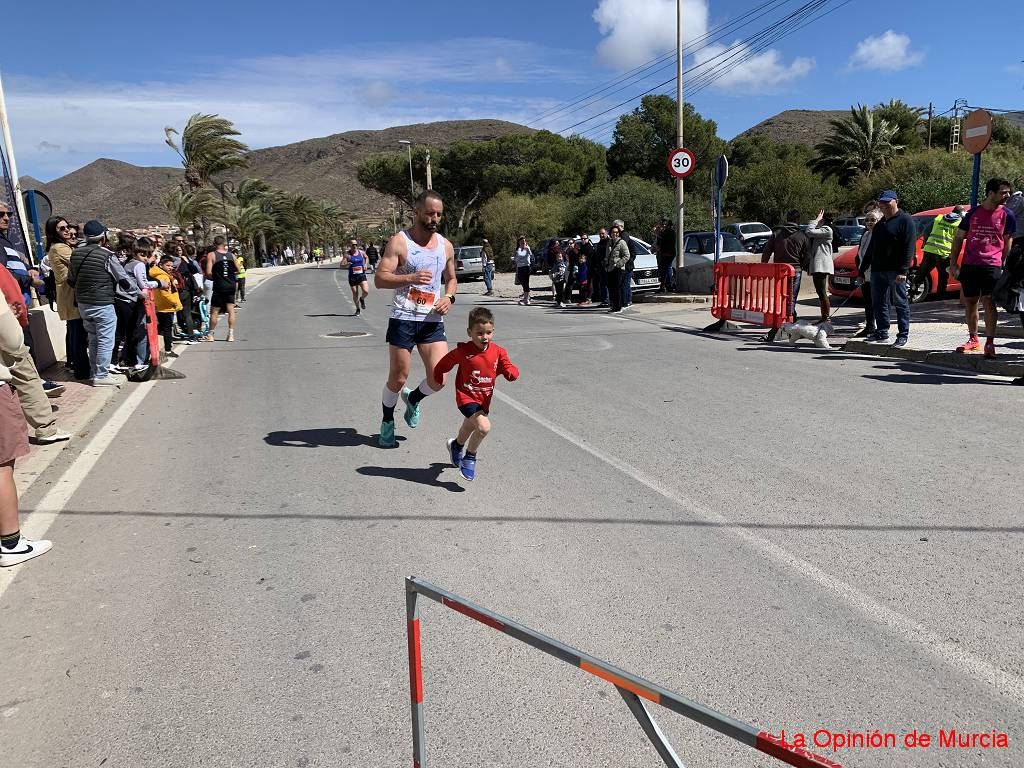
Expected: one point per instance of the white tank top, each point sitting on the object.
(415, 302)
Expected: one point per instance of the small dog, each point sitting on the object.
(790, 332)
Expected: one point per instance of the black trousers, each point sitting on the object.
(869, 313)
(559, 292)
(614, 279)
(164, 325)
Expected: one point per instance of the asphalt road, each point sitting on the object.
(798, 540)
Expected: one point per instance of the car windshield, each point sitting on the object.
(730, 243)
(749, 229)
(470, 251)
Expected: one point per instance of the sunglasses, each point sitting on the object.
(5, 214)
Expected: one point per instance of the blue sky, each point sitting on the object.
(107, 81)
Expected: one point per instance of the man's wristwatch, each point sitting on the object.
(450, 297)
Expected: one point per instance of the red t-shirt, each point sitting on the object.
(13, 295)
(478, 368)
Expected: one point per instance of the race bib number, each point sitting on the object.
(357, 270)
(420, 301)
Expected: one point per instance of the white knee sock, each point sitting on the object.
(389, 398)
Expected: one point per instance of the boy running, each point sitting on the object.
(480, 362)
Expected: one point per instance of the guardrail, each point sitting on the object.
(632, 688)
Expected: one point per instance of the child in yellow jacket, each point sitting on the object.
(166, 299)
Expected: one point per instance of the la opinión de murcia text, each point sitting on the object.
(950, 738)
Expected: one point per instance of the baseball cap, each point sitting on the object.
(888, 196)
(94, 229)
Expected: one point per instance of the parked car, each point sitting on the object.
(469, 262)
(698, 272)
(849, 234)
(745, 230)
(849, 221)
(842, 282)
(756, 243)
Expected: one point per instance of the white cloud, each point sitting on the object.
(638, 30)
(888, 52)
(276, 100)
(744, 70)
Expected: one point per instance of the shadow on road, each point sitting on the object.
(330, 314)
(329, 437)
(931, 377)
(423, 475)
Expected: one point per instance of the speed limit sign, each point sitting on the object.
(681, 162)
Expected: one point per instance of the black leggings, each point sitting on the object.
(821, 286)
(523, 273)
(164, 324)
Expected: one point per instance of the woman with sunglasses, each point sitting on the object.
(59, 245)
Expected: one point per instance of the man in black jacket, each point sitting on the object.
(788, 245)
(94, 274)
(890, 254)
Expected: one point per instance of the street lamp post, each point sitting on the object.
(412, 186)
(680, 213)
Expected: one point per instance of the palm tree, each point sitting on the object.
(247, 223)
(190, 207)
(856, 144)
(208, 147)
(307, 215)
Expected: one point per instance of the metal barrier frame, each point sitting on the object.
(632, 688)
(761, 294)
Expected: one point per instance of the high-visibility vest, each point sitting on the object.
(940, 241)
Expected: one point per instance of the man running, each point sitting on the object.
(356, 262)
(414, 263)
(222, 270)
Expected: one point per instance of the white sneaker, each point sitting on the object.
(113, 380)
(139, 368)
(231, 335)
(24, 550)
(56, 437)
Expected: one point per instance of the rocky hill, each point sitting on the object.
(797, 126)
(124, 195)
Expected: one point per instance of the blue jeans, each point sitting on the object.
(796, 289)
(100, 323)
(881, 284)
(489, 277)
(627, 286)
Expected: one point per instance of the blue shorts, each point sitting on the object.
(469, 410)
(410, 333)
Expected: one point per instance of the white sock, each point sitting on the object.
(388, 398)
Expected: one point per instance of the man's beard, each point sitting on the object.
(430, 226)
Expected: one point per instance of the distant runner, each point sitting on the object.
(357, 264)
(414, 264)
(222, 272)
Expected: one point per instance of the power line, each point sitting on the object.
(807, 14)
(666, 60)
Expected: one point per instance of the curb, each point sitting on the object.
(954, 360)
(669, 298)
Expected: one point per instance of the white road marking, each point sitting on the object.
(38, 522)
(1004, 683)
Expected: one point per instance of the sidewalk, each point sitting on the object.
(80, 405)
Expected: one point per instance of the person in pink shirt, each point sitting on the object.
(986, 234)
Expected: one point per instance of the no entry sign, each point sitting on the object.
(977, 131)
(681, 162)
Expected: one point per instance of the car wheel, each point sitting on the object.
(922, 291)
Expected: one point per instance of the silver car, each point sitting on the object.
(469, 262)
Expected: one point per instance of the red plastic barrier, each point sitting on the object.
(151, 330)
(760, 294)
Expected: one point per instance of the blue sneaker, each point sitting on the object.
(387, 435)
(468, 467)
(412, 412)
(455, 454)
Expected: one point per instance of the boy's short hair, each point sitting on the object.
(167, 259)
(144, 246)
(479, 315)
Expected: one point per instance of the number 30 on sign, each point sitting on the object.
(681, 162)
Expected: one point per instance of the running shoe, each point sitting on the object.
(901, 341)
(362, 303)
(387, 435)
(990, 349)
(972, 345)
(412, 412)
(52, 388)
(455, 454)
(878, 338)
(25, 549)
(231, 335)
(468, 467)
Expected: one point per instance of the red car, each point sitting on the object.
(842, 282)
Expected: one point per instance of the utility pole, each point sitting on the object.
(680, 214)
(930, 110)
(412, 185)
(430, 183)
